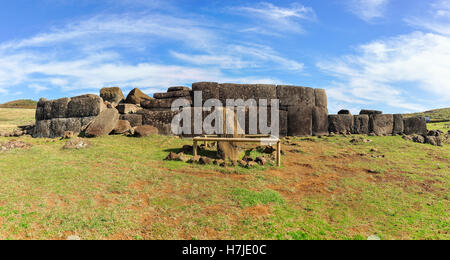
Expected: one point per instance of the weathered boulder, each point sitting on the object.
(340, 124)
(178, 88)
(344, 112)
(418, 139)
(370, 112)
(161, 104)
(122, 127)
(381, 124)
(295, 96)
(113, 95)
(85, 106)
(361, 124)
(103, 124)
(300, 120)
(125, 108)
(43, 109)
(247, 91)
(319, 121)
(398, 124)
(134, 119)
(145, 130)
(136, 96)
(433, 140)
(173, 94)
(321, 98)
(415, 125)
(210, 90)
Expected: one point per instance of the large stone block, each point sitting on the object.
(361, 124)
(85, 106)
(42, 129)
(134, 119)
(150, 117)
(178, 88)
(163, 104)
(398, 124)
(43, 109)
(61, 125)
(247, 91)
(300, 120)
(321, 98)
(210, 90)
(340, 124)
(136, 96)
(415, 125)
(382, 124)
(173, 94)
(294, 96)
(113, 95)
(370, 112)
(319, 121)
(103, 124)
(124, 108)
(59, 108)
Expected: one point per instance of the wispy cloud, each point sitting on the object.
(95, 52)
(371, 75)
(368, 10)
(437, 20)
(276, 17)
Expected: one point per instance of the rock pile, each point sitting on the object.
(14, 144)
(433, 137)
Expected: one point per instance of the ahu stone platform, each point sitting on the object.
(302, 111)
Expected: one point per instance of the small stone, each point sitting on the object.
(73, 237)
(373, 237)
(173, 157)
(261, 160)
(251, 164)
(204, 160)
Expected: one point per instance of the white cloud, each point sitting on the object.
(93, 53)
(437, 20)
(368, 10)
(417, 60)
(278, 18)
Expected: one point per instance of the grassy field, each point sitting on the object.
(436, 114)
(121, 188)
(10, 118)
(328, 188)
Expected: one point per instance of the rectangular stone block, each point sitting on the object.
(300, 120)
(173, 94)
(415, 125)
(247, 91)
(361, 124)
(398, 124)
(340, 124)
(294, 96)
(321, 98)
(161, 103)
(134, 119)
(210, 90)
(85, 106)
(127, 108)
(382, 124)
(150, 117)
(320, 121)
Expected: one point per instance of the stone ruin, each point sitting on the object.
(303, 112)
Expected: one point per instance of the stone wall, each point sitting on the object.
(302, 111)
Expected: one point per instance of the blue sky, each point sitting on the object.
(392, 55)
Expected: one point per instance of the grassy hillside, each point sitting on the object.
(10, 118)
(434, 115)
(22, 103)
(328, 188)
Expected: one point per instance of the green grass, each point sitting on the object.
(122, 188)
(10, 118)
